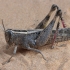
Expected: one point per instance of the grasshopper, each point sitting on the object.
(40, 36)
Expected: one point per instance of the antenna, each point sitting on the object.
(3, 25)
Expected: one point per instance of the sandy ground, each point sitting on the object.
(26, 14)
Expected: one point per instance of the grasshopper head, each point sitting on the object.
(8, 35)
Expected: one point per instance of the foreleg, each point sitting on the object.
(14, 52)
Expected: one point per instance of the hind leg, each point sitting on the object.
(43, 23)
